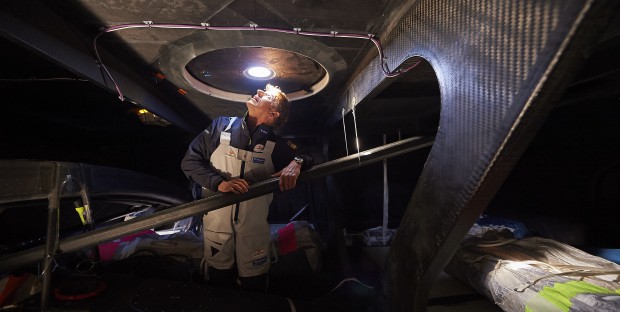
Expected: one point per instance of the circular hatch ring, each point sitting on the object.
(175, 56)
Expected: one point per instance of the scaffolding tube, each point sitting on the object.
(219, 200)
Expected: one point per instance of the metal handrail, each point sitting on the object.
(214, 202)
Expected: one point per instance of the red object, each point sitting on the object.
(79, 290)
(287, 242)
(108, 250)
(12, 284)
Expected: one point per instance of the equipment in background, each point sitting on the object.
(296, 249)
(535, 274)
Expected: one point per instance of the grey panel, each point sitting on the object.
(22, 180)
(500, 65)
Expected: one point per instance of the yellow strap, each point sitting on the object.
(80, 211)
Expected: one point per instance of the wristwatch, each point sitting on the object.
(299, 160)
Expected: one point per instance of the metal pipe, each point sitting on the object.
(386, 196)
(88, 213)
(213, 202)
(51, 241)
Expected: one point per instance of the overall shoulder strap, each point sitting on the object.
(230, 123)
(225, 135)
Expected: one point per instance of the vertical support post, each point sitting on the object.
(344, 127)
(357, 140)
(51, 242)
(385, 196)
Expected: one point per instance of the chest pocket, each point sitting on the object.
(257, 164)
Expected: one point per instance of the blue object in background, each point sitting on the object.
(519, 230)
(612, 255)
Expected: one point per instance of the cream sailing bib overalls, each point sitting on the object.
(247, 236)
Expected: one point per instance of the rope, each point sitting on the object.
(352, 279)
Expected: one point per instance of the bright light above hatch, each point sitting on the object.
(259, 72)
(228, 76)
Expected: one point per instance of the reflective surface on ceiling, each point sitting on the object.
(141, 48)
(224, 69)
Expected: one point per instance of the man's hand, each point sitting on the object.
(235, 185)
(288, 176)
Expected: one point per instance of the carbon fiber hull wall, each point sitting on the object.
(500, 65)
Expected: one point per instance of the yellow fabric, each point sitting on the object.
(560, 294)
(80, 211)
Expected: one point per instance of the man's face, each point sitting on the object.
(261, 106)
(260, 99)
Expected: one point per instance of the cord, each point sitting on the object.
(205, 26)
(352, 279)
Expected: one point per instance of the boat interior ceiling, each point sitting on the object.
(446, 110)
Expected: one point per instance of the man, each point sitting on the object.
(229, 156)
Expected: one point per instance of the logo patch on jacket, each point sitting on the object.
(258, 160)
(259, 148)
(231, 153)
(259, 257)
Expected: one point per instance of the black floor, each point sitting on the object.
(165, 284)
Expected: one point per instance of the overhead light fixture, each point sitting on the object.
(259, 72)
